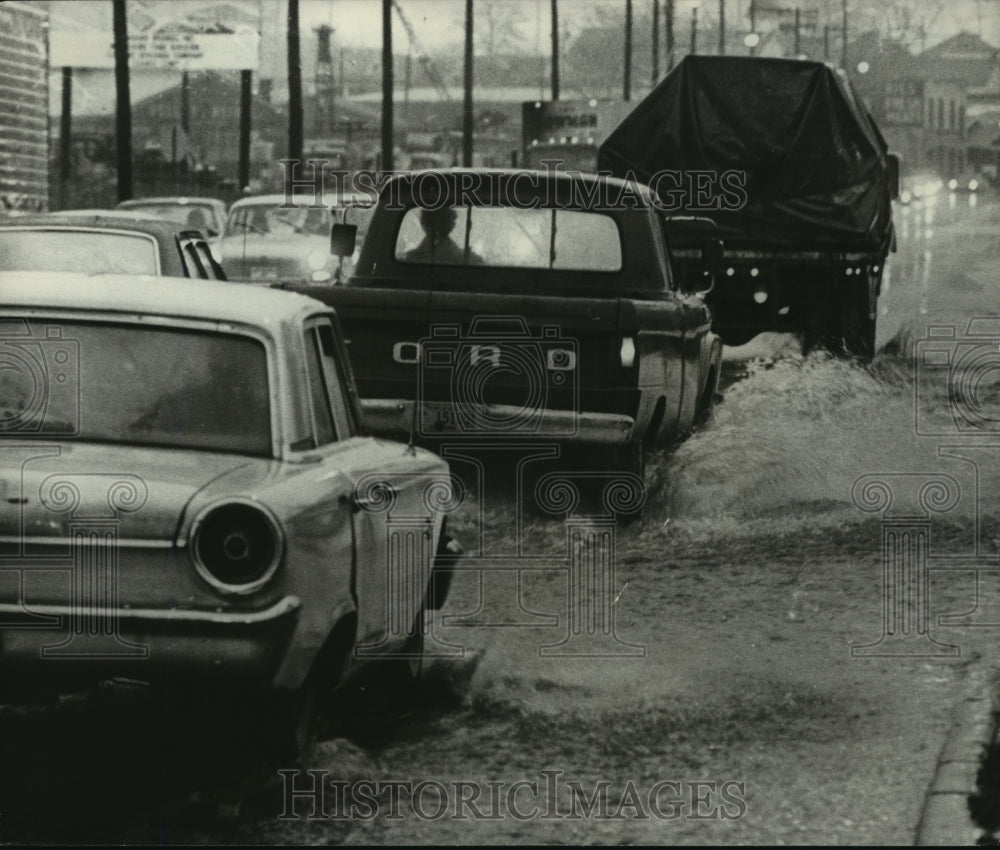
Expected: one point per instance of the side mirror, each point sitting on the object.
(892, 176)
(342, 239)
(711, 255)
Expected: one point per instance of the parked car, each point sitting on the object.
(104, 242)
(266, 242)
(188, 473)
(540, 309)
(205, 214)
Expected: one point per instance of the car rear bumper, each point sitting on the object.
(92, 642)
(437, 420)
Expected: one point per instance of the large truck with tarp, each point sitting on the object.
(786, 160)
(24, 109)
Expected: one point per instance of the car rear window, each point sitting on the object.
(272, 221)
(87, 251)
(508, 237)
(134, 385)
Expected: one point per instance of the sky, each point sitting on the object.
(438, 25)
(358, 22)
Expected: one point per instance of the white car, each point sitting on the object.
(267, 241)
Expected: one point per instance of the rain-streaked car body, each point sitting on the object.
(188, 495)
(268, 240)
(104, 242)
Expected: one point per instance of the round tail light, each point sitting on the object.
(236, 547)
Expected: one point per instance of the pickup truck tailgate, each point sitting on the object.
(554, 352)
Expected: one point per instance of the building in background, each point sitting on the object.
(24, 99)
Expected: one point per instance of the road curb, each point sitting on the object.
(945, 818)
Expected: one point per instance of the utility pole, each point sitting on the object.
(243, 175)
(669, 27)
(467, 125)
(627, 81)
(753, 26)
(656, 43)
(722, 27)
(65, 136)
(843, 60)
(798, 37)
(123, 104)
(555, 49)
(295, 118)
(826, 43)
(694, 30)
(387, 141)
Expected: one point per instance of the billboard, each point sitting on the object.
(163, 35)
(570, 121)
(24, 102)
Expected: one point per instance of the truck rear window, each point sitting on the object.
(507, 237)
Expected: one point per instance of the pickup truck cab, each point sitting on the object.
(489, 304)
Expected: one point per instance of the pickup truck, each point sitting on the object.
(784, 156)
(512, 305)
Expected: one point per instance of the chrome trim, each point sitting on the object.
(283, 608)
(130, 543)
(386, 415)
(207, 575)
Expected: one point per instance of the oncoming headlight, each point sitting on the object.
(236, 547)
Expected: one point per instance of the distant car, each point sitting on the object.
(264, 242)
(188, 497)
(920, 186)
(967, 182)
(104, 242)
(205, 214)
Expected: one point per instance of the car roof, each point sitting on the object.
(558, 178)
(154, 295)
(178, 200)
(507, 186)
(333, 199)
(98, 220)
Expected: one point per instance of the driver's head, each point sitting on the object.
(439, 223)
(196, 218)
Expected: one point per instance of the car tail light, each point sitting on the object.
(627, 352)
(236, 547)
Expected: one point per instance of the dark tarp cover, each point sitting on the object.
(815, 163)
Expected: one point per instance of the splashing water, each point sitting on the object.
(793, 437)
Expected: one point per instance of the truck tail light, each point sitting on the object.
(236, 547)
(628, 352)
(760, 294)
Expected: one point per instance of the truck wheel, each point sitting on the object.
(858, 325)
(707, 402)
